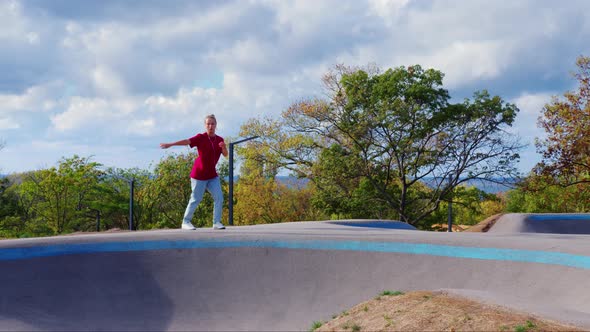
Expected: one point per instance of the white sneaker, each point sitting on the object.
(218, 225)
(188, 226)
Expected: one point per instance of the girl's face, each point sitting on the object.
(210, 125)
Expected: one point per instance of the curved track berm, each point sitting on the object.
(277, 277)
(554, 223)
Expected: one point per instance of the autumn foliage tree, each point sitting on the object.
(262, 197)
(566, 149)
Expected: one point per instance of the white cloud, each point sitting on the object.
(36, 98)
(45, 153)
(13, 25)
(104, 72)
(249, 54)
(170, 32)
(33, 38)
(107, 82)
(96, 115)
(184, 113)
(388, 10)
(8, 123)
(83, 112)
(184, 103)
(144, 127)
(531, 104)
(531, 108)
(525, 126)
(468, 61)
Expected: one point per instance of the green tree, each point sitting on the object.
(171, 189)
(338, 183)
(113, 204)
(539, 194)
(396, 131)
(11, 221)
(469, 205)
(59, 197)
(26, 224)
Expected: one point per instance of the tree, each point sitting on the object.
(171, 188)
(539, 194)
(59, 196)
(472, 205)
(113, 204)
(338, 185)
(262, 198)
(11, 222)
(566, 150)
(24, 223)
(396, 131)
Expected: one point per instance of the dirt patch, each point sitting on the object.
(445, 227)
(485, 225)
(435, 311)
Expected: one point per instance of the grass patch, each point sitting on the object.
(316, 325)
(356, 328)
(520, 328)
(526, 327)
(391, 293)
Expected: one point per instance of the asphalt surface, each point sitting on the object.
(280, 276)
(571, 223)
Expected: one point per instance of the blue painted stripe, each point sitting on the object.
(514, 255)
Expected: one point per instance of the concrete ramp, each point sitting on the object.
(275, 277)
(555, 223)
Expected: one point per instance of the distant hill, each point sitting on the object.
(292, 181)
(486, 186)
(489, 187)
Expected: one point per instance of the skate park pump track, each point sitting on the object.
(282, 277)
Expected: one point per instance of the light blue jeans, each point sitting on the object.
(213, 186)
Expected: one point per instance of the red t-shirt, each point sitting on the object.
(209, 152)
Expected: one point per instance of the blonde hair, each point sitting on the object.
(210, 116)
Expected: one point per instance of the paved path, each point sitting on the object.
(277, 277)
(571, 223)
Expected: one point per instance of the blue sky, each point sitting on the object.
(112, 79)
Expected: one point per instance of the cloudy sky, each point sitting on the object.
(114, 78)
